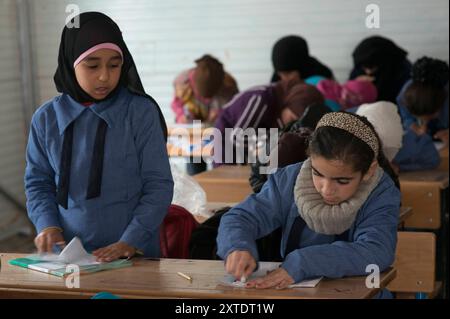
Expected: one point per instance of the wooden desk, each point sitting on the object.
(405, 213)
(422, 191)
(226, 183)
(444, 159)
(159, 279)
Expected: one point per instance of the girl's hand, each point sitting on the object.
(443, 136)
(279, 279)
(240, 264)
(114, 251)
(46, 239)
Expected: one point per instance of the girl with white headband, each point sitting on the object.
(338, 210)
(97, 165)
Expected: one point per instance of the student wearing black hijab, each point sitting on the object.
(380, 60)
(291, 60)
(97, 165)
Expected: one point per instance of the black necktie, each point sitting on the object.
(64, 167)
(95, 172)
(294, 235)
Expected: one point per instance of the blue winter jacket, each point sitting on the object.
(137, 184)
(372, 237)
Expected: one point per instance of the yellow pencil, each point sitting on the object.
(184, 276)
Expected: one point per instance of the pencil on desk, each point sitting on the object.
(184, 276)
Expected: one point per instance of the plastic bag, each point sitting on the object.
(188, 193)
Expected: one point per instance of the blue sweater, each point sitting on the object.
(373, 235)
(137, 184)
(418, 151)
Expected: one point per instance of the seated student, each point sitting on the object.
(341, 97)
(292, 144)
(267, 106)
(291, 60)
(201, 92)
(380, 60)
(338, 210)
(97, 165)
(423, 106)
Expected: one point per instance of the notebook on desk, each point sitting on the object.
(73, 254)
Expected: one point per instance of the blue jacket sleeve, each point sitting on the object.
(417, 153)
(40, 187)
(157, 189)
(374, 241)
(254, 218)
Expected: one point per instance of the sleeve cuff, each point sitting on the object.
(46, 222)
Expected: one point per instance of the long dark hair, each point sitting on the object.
(334, 143)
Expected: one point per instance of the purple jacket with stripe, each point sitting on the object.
(253, 108)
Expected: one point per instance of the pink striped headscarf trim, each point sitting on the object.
(97, 47)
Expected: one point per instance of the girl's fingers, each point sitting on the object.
(249, 269)
(49, 244)
(283, 284)
(251, 284)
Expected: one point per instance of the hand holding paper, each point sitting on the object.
(240, 264)
(46, 240)
(270, 275)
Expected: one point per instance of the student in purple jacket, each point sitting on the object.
(266, 106)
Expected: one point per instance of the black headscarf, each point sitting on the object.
(393, 68)
(291, 53)
(95, 28)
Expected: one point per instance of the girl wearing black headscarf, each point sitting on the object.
(97, 165)
(291, 60)
(383, 62)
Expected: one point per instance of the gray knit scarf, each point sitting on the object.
(329, 219)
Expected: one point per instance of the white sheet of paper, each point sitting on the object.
(264, 268)
(439, 145)
(73, 253)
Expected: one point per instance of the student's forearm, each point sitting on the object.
(336, 260)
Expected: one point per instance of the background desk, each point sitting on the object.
(226, 183)
(159, 279)
(424, 192)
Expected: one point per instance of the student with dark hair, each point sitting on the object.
(201, 92)
(292, 144)
(380, 60)
(97, 165)
(423, 106)
(338, 210)
(266, 106)
(291, 60)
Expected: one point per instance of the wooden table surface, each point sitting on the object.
(159, 279)
(226, 183)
